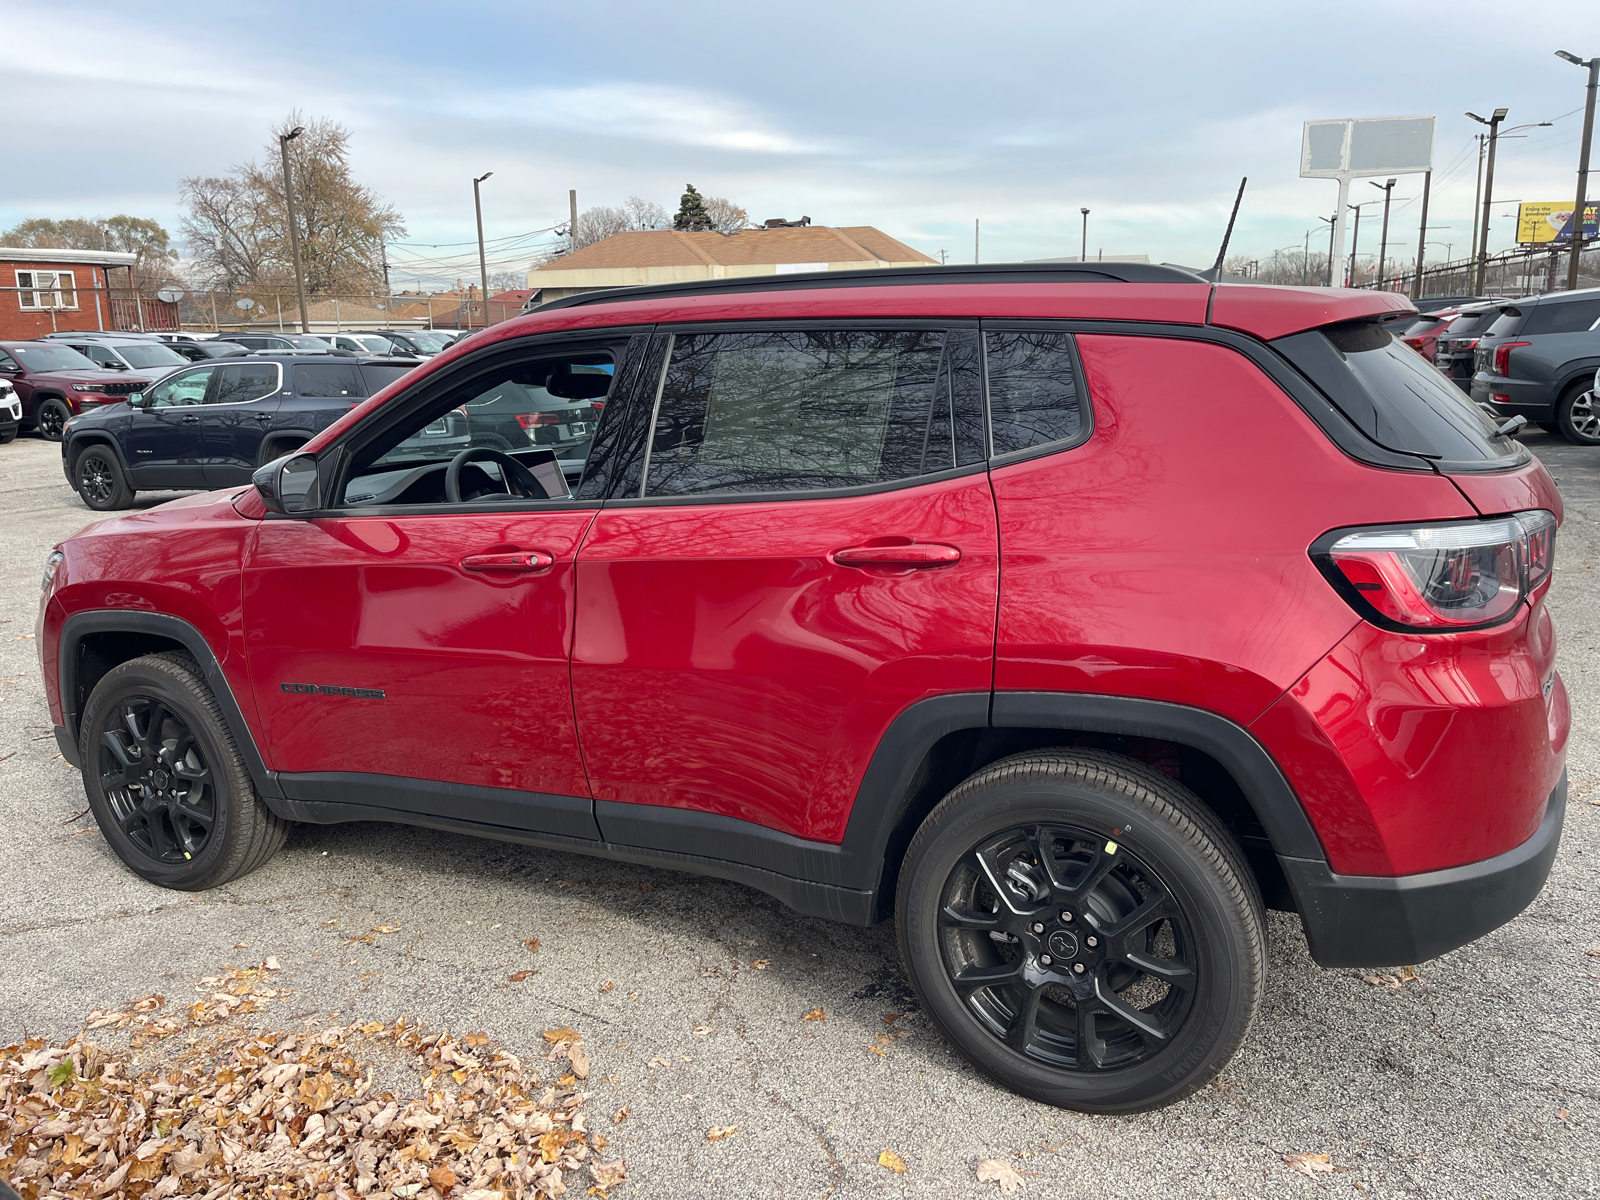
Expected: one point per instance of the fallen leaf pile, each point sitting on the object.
(1396, 981)
(293, 1114)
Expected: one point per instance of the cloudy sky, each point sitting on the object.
(914, 117)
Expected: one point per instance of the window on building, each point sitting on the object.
(42, 290)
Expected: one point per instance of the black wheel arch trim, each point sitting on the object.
(80, 625)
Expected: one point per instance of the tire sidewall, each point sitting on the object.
(1564, 415)
(1223, 1002)
(137, 679)
(39, 419)
(119, 483)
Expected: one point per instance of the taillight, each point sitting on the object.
(1502, 356)
(529, 420)
(1439, 578)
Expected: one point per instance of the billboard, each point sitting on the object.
(1366, 146)
(1539, 223)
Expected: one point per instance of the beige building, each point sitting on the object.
(668, 256)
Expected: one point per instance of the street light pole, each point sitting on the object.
(1422, 237)
(1488, 196)
(1083, 252)
(1583, 163)
(1383, 241)
(1333, 229)
(1355, 239)
(483, 264)
(294, 225)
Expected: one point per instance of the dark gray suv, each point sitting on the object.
(1538, 360)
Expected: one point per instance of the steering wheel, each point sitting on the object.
(518, 480)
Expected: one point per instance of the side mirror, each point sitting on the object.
(135, 399)
(288, 485)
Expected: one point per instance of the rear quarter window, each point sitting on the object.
(1566, 316)
(1507, 324)
(1397, 398)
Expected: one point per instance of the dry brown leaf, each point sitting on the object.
(607, 986)
(998, 1170)
(621, 1115)
(564, 1034)
(761, 964)
(889, 1160)
(816, 1014)
(442, 1178)
(608, 1175)
(1563, 1114)
(878, 1050)
(701, 1030)
(531, 945)
(518, 976)
(717, 1132)
(1310, 1164)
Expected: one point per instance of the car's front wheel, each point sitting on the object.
(51, 419)
(165, 780)
(1578, 414)
(99, 480)
(1084, 930)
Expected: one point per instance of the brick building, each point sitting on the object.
(45, 290)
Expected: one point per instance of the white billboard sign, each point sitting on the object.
(1355, 147)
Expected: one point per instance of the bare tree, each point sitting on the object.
(726, 216)
(645, 214)
(505, 281)
(237, 225)
(598, 223)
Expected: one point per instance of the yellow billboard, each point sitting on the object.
(1538, 224)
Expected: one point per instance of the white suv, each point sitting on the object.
(10, 413)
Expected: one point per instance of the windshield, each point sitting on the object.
(430, 340)
(374, 343)
(304, 341)
(151, 354)
(45, 357)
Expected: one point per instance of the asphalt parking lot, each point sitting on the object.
(1480, 1079)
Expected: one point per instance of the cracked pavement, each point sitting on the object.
(1484, 1078)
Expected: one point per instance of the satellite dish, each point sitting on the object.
(170, 294)
(245, 304)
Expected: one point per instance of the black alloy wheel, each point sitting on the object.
(52, 419)
(100, 481)
(156, 781)
(1084, 929)
(165, 780)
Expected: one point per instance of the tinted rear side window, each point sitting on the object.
(1567, 316)
(381, 375)
(1507, 324)
(1396, 397)
(1033, 389)
(328, 380)
(1468, 324)
(814, 409)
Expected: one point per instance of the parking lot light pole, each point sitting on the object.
(1383, 240)
(1583, 163)
(1422, 235)
(1333, 230)
(1083, 253)
(294, 225)
(483, 263)
(1488, 196)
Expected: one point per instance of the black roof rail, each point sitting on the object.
(889, 276)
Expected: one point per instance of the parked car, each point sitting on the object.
(55, 382)
(364, 343)
(1070, 618)
(207, 350)
(424, 343)
(117, 353)
(1422, 335)
(10, 412)
(1537, 360)
(211, 425)
(280, 343)
(556, 410)
(1456, 344)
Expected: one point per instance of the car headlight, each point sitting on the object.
(50, 564)
(86, 387)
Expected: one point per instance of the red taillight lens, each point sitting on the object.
(529, 420)
(1502, 357)
(1443, 577)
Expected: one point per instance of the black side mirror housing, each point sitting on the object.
(288, 486)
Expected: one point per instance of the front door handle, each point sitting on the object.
(910, 556)
(511, 560)
(191, 420)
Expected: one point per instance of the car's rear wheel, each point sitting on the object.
(1084, 930)
(51, 419)
(99, 480)
(1578, 415)
(166, 781)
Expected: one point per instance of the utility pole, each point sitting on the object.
(1477, 201)
(1488, 196)
(483, 264)
(1355, 239)
(572, 225)
(1305, 259)
(975, 224)
(1333, 230)
(294, 225)
(1422, 238)
(1583, 163)
(1083, 252)
(1383, 240)
(383, 253)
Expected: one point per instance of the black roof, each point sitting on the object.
(891, 276)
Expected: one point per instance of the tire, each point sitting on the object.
(1125, 841)
(51, 419)
(277, 449)
(99, 480)
(8, 435)
(1578, 415)
(1550, 427)
(159, 831)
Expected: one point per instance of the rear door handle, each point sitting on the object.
(915, 555)
(191, 420)
(511, 560)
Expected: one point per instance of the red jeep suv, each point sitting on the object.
(1070, 616)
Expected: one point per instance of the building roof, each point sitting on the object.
(750, 247)
(55, 254)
